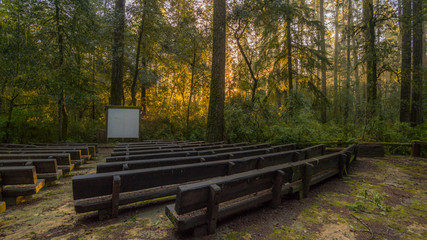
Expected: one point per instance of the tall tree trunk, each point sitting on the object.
(347, 83)
(289, 44)
(215, 123)
(323, 64)
(138, 52)
(336, 52)
(62, 111)
(118, 53)
(405, 87)
(417, 87)
(371, 70)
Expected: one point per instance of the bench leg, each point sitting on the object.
(212, 209)
(307, 171)
(115, 196)
(277, 189)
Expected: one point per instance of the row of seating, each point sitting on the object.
(25, 169)
(199, 206)
(152, 176)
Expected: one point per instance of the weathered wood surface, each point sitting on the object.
(74, 154)
(297, 176)
(94, 145)
(140, 164)
(95, 185)
(23, 189)
(18, 175)
(151, 156)
(154, 147)
(236, 152)
(42, 165)
(49, 177)
(371, 149)
(185, 148)
(61, 158)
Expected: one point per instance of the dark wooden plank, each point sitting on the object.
(277, 189)
(74, 154)
(193, 196)
(42, 165)
(61, 158)
(18, 175)
(23, 189)
(212, 208)
(93, 185)
(115, 196)
(151, 156)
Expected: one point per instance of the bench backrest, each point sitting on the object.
(18, 175)
(87, 186)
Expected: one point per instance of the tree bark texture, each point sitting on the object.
(118, 53)
(215, 123)
(405, 79)
(417, 64)
(371, 58)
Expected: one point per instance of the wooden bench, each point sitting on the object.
(237, 152)
(46, 169)
(168, 146)
(197, 205)
(75, 155)
(176, 149)
(140, 164)
(96, 191)
(19, 182)
(63, 159)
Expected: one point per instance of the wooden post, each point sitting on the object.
(416, 149)
(277, 189)
(115, 196)
(342, 158)
(260, 163)
(212, 208)
(347, 162)
(306, 172)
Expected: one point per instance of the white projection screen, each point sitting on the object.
(122, 122)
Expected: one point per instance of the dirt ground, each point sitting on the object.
(380, 198)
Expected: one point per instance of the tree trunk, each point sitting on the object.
(347, 83)
(405, 87)
(417, 61)
(118, 53)
(323, 64)
(336, 52)
(62, 111)
(215, 123)
(138, 52)
(289, 44)
(371, 70)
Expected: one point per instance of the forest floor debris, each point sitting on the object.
(381, 198)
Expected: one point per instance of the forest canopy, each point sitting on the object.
(295, 70)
